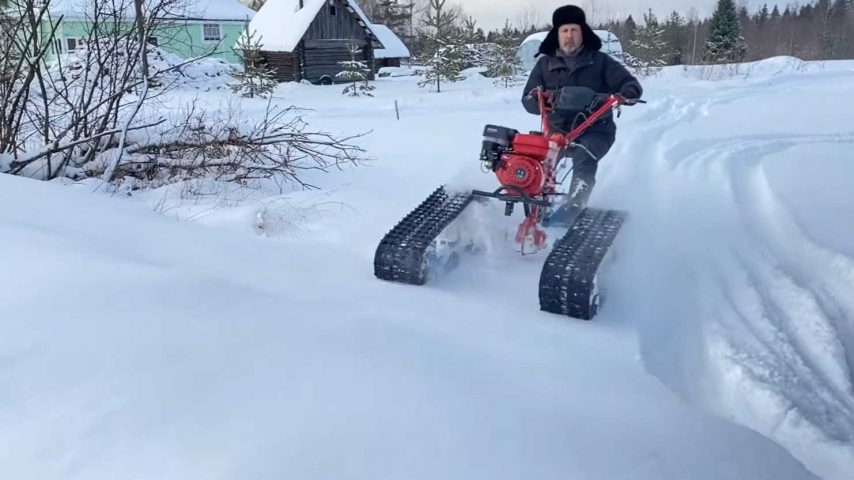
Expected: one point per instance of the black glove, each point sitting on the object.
(531, 103)
(630, 92)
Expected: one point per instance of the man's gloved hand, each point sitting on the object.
(629, 92)
(629, 95)
(531, 102)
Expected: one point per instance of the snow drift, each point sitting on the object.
(135, 346)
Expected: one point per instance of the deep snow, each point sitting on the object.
(135, 346)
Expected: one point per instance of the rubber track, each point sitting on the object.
(568, 276)
(400, 254)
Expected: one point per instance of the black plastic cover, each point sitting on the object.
(500, 135)
(576, 99)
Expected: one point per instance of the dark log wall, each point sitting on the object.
(322, 57)
(286, 65)
(339, 26)
(327, 39)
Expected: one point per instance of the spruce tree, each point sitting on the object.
(675, 36)
(471, 33)
(505, 63)
(725, 43)
(256, 79)
(443, 51)
(649, 49)
(357, 72)
(764, 15)
(393, 15)
(446, 58)
(629, 30)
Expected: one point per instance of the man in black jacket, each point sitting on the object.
(572, 58)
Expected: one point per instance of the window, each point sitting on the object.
(212, 32)
(70, 44)
(153, 41)
(332, 10)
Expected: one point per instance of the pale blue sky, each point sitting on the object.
(492, 13)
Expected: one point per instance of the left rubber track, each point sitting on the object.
(400, 254)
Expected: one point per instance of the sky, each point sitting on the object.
(491, 14)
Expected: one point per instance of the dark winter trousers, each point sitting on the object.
(585, 162)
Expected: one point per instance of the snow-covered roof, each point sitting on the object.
(364, 18)
(528, 49)
(536, 37)
(394, 48)
(282, 23)
(192, 9)
(606, 36)
(223, 10)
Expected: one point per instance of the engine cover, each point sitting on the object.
(521, 171)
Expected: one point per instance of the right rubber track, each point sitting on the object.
(568, 278)
(400, 254)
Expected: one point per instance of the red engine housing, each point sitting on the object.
(523, 168)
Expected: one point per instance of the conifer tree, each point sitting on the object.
(675, 36)
(725, 43)
(648, 49)
(505, 63)
(256, 79)
(443, 50)
(357, 72)
(446, 59)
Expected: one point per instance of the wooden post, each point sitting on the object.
(396, 110)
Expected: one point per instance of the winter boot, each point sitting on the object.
(579, 190)
(583, 180)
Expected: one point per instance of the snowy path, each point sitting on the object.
(771, 308)
(137, 347)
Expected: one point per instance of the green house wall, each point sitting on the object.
(185, 40)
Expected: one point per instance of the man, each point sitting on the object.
(572, 59)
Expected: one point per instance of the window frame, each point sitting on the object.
(205, 37)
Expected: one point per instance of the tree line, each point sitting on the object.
(819, 30)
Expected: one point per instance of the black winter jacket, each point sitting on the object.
(592, 69)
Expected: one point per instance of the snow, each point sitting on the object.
(194, 9)
(146, 337)
(394, 48)
(223, 10)
(281, 24)
(204, 74)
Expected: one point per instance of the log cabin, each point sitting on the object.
(305, 39)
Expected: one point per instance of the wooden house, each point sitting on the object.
(306, 39)
(393, 51)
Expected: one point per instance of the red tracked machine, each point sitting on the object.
(526, 167)
(526, 164)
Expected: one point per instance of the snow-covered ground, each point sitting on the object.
(133, 346)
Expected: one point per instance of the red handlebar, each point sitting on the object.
(611, 101)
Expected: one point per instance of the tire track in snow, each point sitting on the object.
(827, 273)
(779, 316)
(774, 309)
(780, 348)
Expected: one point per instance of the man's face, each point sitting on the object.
(570, 37)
